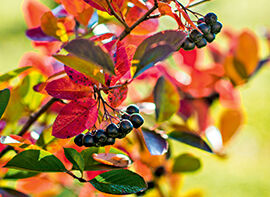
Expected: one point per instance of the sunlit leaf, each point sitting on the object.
(186, 163)
(119, 182)
(49, 24)
(14, 73)
(19, 174)
(75, 158)
(4, 98)
(112, 159)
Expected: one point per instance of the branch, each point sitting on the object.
(143, 18)
(82, 180)
(32, 119)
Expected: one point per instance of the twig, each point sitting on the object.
(30, 121)
(197, 3)
(82, 180)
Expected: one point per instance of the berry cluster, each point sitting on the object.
(129, 120)
(209, 27)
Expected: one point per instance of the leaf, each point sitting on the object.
(36, 160)
(166, 98)
(119, 182)
(85, 67)
(65, 88)
(191, 139)
(8, 192)
(75, 158)
(156, 143)
(4, 98)
(117, 96)
(19, 174)
(14, 73)
(186, 163)
(36, 34)
(75, 117)
(112, 159)
(90, 52)
(78, 77)
(49, 24)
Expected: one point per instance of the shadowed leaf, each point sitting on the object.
(19, 174)
(75, 158)
(186, 163)
(4, 98)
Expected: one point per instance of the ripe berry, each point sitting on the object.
(100, 136)
(201, 43)
(206, 29)
(112, 130)
(188, 44)
(78, 140)
(200, 20)
(150, 185)
(159, 171)
(125, 126)
(216, 28)
(125, 116)
(210, 18)
(110, 141)
(132, 109)
(137, 120)
(195, 35)
(210, 37)
(88, 140)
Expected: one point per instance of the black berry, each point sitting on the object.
(88, 140)
(201, 43)
(125, 126)
(150, 185)
(195, 36)
(100, 137)
(125, 116)
(200, 20)
(216, 28)
(210, 18)
(112, 130)
(140, 193)
(78, 140)
(159, 171)
(205, 29)
(210, 37)
(110, 141)
(188, 44)
(137, 120)
(132, 109)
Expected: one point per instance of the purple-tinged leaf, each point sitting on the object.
(191, 139)
(75, 117)
(36, 34)
(156, 143)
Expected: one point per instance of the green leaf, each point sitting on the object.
(91, 164)
(4, 98)
(88, 68)
(19, 174)
(8, 192)
(191, 139)
(75, 158)
(119, 182)
(36, 160)
(87, 50)
(186, 163)
(14, 73)
(166, 98)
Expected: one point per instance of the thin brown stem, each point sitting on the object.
(197, 3)
(32, 119)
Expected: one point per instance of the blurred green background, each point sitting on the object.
(246, 171)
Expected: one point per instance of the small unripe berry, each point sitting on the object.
(205, 29)
(210, 37)
(188, 44)
(210, 18)
(195, 35)
(88, 140)
(78, 140)
(137, 120)
(132, 109)
(125, 126)
(112, 130)
(216, 28)
(201, 43)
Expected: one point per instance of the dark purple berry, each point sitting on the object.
(125, 126)
(210, 18)
(132, 109)
(112, 130)
(201, 43)
(188, 44)
(125, 116)
(216, 28)
(110, 141)
(100, 136)
(200, 20)
(205, 29)
(159, 171)
(88, 140)
(209, 37)
(195, 35)
(78, 140)
(150, 185)
(137, 120)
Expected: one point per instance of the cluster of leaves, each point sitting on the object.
(95, 57)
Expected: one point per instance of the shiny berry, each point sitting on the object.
(210, 37)
(100, 136)
(201, 43)
(200, 20)
(195, 35)
(137, 120)
(125, 126)
(88, 140)
(188, 44)
(132, 109)
(110, 141)
(210, 18)
(216, 28)
(205, 29)
(78, 140)
(125, 116)
(159, 171)
(112, 130)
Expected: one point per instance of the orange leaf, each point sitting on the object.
(49, 24)
(117, 160)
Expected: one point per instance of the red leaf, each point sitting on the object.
(117, 96)
(189, 57)
(75, 117)
(64, 88)
(78, 77)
